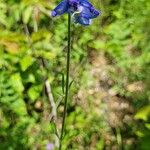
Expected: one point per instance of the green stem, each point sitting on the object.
(67, 81)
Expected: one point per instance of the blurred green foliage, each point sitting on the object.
(28, 34)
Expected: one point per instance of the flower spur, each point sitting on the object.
(81, 10)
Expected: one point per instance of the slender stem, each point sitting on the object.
(67, 81)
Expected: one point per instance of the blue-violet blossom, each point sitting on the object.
(82, 10)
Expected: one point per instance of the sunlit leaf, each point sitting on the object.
(143, 113)
(34, 92)
(17, 82)
(26, 62)
(27, 14)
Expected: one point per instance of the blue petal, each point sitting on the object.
(85, 3)
(86, 12)
(73, 2)
(60, 9)
(94, 12)
(73, 6)
(82, 20)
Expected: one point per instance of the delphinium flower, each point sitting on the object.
(81, 10)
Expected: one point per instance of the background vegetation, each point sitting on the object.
(110, 66)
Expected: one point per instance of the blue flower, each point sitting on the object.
(82, 10)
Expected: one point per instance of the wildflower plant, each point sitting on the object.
(82, 12)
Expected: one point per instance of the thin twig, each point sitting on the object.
(51, 99)
(53, 115)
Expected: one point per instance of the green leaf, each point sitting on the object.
(27, 14)
(34, 92)
(16, 82)
(30, 78)
(70, 84)
(100, 145)
(26, 62)
(147, 125)
(19, 107)
(143, 113)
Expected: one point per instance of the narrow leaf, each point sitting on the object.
(63, 83)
